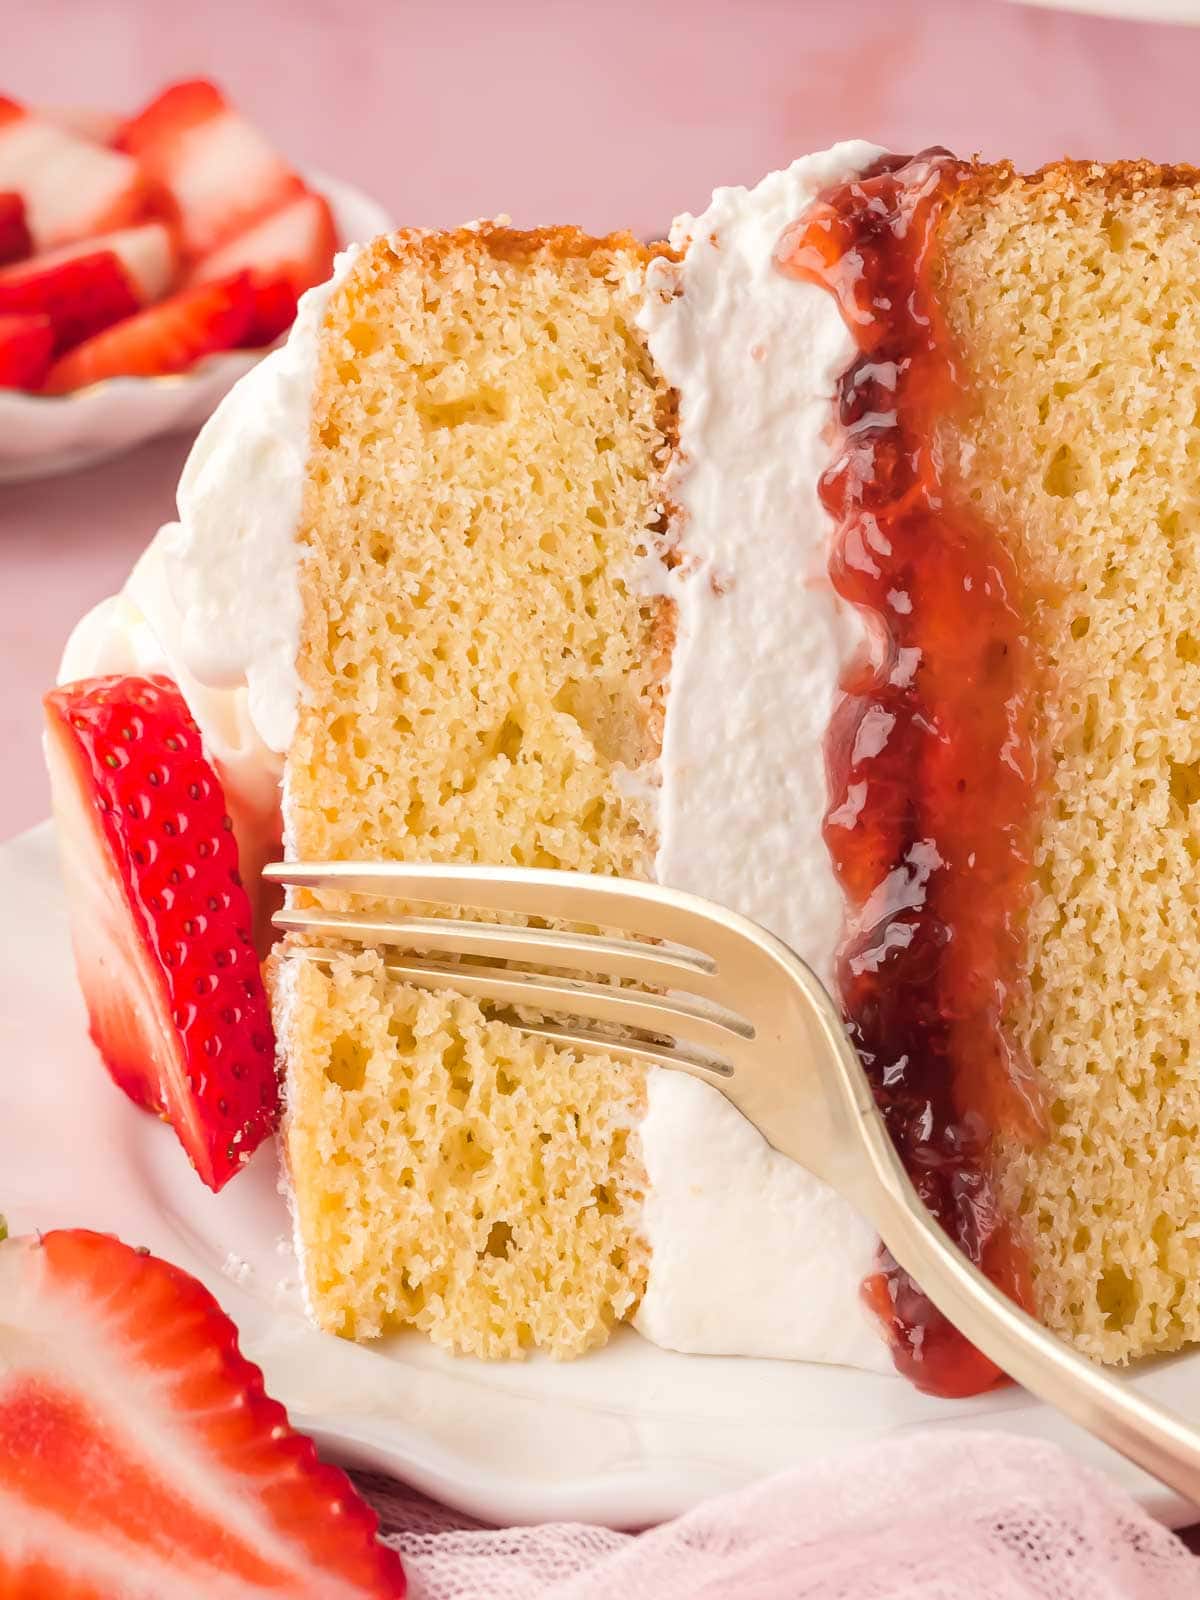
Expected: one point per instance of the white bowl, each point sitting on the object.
(42, 435)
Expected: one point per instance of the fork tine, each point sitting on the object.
(663, 965)
(713, 1027)
(643, 1053)
(636, 908)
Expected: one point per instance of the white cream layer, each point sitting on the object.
(232, 559)
(750, 1254)
(140, 631)
(214, 602)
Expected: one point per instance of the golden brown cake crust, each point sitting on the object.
(506, 243)
(1116, 180)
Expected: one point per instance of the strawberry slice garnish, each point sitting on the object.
(160, 921)
(167, 337)
(26, 347)
(15, 242)
(288, 252)
(80, 295)
(83, 288)
(140, 1454)
(71, 187)
(220, 172)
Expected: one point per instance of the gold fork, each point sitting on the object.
(717, 996)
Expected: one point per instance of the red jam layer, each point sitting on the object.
(930, 752)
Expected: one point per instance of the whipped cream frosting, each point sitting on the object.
(750, 1254)
(140, 630)
(233, 553)
(214, 602)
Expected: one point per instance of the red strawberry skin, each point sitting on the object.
(168, 337)
(158, 129)
(80, 296)
(15, 242)
(160, 920)
(26, 346)
(171, 1471)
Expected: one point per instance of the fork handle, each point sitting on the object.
(1158, 1440)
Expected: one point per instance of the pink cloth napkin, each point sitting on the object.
(929, 1516)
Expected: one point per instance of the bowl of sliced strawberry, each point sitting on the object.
(146, 263)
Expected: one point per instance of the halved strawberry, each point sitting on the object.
(85, 287)
(167, 337)
(15, 242)
(160, 921)
(221, 173)
(71, 187)
(140, 1454)
(288, 252)
(26, 349)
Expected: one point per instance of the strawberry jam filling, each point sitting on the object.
(930, 751)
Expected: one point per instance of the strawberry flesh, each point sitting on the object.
(15, 242)
(168, 337)
(26, 347)
(160, 921)
(171, 1469)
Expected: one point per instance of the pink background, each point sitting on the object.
(607, 114)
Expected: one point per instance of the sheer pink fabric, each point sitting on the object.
(928, 1516)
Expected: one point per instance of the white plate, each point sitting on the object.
(1129, 10)
(628, 1435)
(42, 435)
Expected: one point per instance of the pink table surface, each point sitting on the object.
(610, 115)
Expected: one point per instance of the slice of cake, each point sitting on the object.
(503, 501)
(484, 647)
(832, 561)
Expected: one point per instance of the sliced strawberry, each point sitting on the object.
(161, 924)
(288, 252)
(220, 172)
(26, 348)
(71, 187)
(297, 242)
(140, 1454)
(85, 287)
(15, 242)
(80, 295)
(168, 337)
